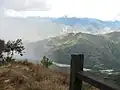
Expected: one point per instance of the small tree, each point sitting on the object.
(12, 47)
(46, 62)
(2, 44)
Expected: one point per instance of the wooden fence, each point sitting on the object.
(77, 75)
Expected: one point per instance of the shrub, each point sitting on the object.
(46, 62)
(8, 49)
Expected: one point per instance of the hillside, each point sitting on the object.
(99, 50)
(28, 76)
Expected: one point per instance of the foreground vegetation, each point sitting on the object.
(27, 76)
(9, 49)
(23, 75)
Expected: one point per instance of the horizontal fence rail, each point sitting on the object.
(77, 75)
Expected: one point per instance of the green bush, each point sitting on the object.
(46, 62)
(8, 49)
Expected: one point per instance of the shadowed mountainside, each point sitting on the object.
(99, 50)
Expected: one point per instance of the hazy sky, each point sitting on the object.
(16, 27)
(101, 9)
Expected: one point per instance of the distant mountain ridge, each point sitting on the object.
(84, 21)
(90, 24)
(45, 27)
(99, 50)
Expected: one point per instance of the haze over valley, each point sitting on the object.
(48, 29)
(58, 38)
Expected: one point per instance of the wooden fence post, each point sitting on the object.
(77, 62)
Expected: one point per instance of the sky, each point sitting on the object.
(100, 9)
(21, 27)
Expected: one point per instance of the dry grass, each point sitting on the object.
(28, 76)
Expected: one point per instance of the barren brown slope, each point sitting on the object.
(31, 77)
(28, 76)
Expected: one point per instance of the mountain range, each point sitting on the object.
(45, 27)
(90, 24)
(101, 51)
(58, 38)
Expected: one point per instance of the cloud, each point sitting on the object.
(30, 29)
(25, 5)
(100, 9)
